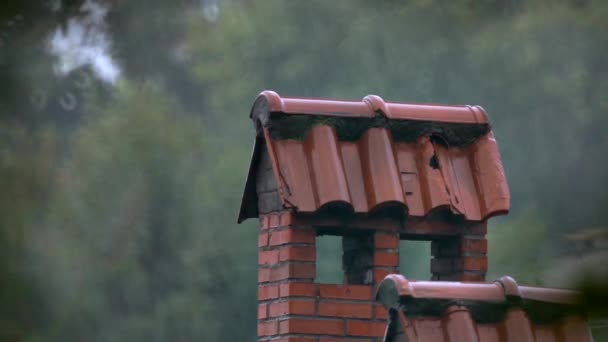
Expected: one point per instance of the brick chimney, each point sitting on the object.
(373, 173)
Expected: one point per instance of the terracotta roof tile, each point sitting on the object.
(369, 106)
(367, 156)
(500, 311)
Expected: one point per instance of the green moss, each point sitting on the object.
(455, 134)
(296, 127)
(488, 312)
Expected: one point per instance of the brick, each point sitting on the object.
(363, 328)
(380, 312)
(445, 248)
(292, 235)
(262, 311)
(268, 292)
(468, 276)
(263, 275)
(295, 339)
(448, 277)
(442, 265)
(268, 328)
(386, 259)
(480, 228)
(263, 240)
(347, 310)
(386, 240)
(473, 277)
(274, 221)
(291, 270)
(356, 292)
(380, 274)
(343, 339)
(263, 222)
(286, 218)
(298, 253)
(269, 221)
(457, 246)
(472, 264)
(292, 307)
(311, 326)
(268, 257)
(474, 246)
(297, 290)
(435, 248)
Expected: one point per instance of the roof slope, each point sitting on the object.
(502, 311)
(366, 156)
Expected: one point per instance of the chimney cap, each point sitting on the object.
(376, 158)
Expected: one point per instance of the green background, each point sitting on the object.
(118, 216)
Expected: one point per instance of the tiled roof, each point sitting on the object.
(500, 311)
(366, 156)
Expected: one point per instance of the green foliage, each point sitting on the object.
(134, 236)
(26, 167)
(518, 248)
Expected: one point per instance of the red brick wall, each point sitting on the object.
(461, 258)
(292, 307)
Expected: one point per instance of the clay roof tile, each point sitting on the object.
(499, 311)
(372, 156)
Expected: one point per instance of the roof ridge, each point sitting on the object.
(271, 102)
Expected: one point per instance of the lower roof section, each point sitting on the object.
(499, 311)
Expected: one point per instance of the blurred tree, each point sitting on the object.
(519, 248)
(149, 43)
(134, 234)
(26, 166)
